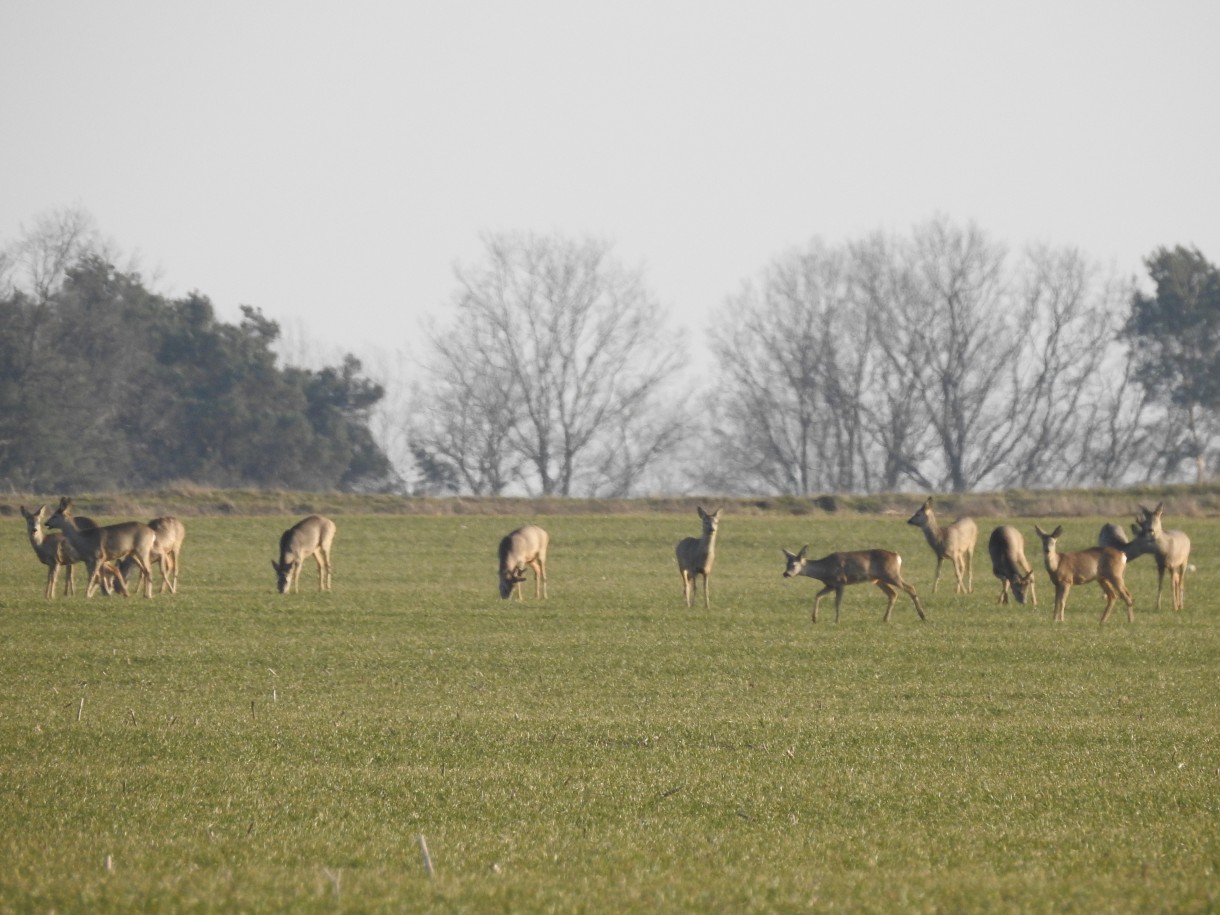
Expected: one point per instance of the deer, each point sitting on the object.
(695, 557)
(170, 534)
(526, 546)
(838, 570)
(1171, 549)
(102, 548)
(52, 551)
(311, 536)
(955, 543)
(1008, 563)
(1102, 564)
(1113, 536)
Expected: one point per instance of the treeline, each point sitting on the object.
(107, 385)
(937, 360)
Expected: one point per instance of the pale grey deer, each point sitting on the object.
(838, 570)
(170, 534)
(1102, 564)
(955, 542)
(526, 546)
(101, 549)
(696, 555)
(1008, 563)
(1171, 549)
(52, 551)
(311, 536)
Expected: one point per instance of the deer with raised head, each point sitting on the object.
(310, 536)
(1008, 563)
(1102, 564)
(838, 570)
(52, 551)
(526, 546)
(170, 534)
(696, 556)
(955, 542)
(1171, 550)
(101, 549)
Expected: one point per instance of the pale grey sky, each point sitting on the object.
(328, 162)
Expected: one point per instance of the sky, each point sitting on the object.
(330, 163)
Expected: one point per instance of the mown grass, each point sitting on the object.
(609, 749)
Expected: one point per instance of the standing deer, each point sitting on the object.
(1102, 564)
(1009, 565)
(310, 536)
(1113, 536)
(1171, 550)
(102, 548)
(955, 543)
(695, 558)
(52, 551)
(836, 571)
(170, 534)
(526, 546)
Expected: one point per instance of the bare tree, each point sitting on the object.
(556, 355)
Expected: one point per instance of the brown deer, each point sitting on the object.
(1171, 549)
(526, 546)
(838, 570)
(52, 551)
(955, 543)
(102, 548)
(696, 556)
(310, 536)
(1009, 565)
(1102, 564)
(1113, 536)
(170, 534)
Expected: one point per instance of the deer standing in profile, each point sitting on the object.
(526, 546)
(1102, 564)
(838, 570)
(1171, 550)
(955, 543)
(310, 536)
(696, 556)
(101, 549)
(170, 534)
(1008, 563)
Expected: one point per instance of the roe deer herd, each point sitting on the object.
(111, 553)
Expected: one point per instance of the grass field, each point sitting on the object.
(233, 749)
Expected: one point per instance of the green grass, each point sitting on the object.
(609, 749)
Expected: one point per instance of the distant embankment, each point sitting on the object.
(187, 501)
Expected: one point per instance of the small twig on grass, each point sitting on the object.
(80, 709)
(423, 848)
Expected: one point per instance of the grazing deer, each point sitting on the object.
(1102, 564)
(102, 548)
(52, 551)
(955, 543)
(1009, 565)
(1171, 550)
(695, 558)
(170, 534)
(838, 570)
(526, 546)
(310, 536)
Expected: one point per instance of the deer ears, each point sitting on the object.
(928, 504)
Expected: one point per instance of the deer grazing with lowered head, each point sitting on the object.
(310, 536)
(1171, 549)
(955, 543)
(526, 546)
(1102, 564)
(170, 534)
(1008, 563)
(101, 549)
(838, 570)
(696, 556)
